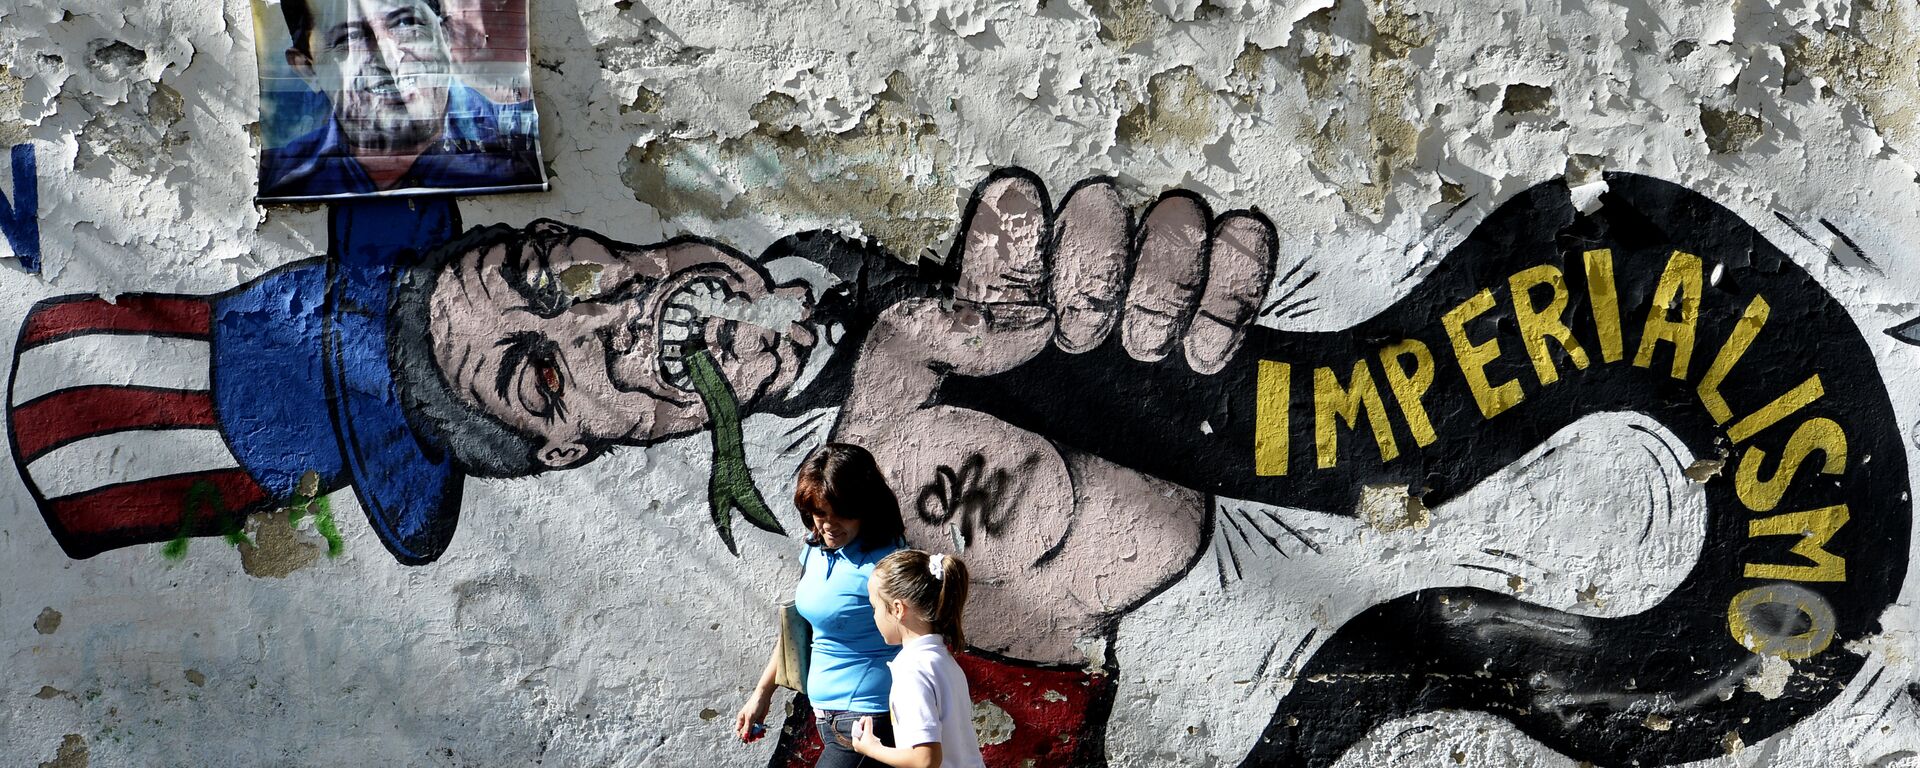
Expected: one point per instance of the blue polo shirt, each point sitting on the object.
(848, 669)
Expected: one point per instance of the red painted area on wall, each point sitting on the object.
(151, 510)
(158, 315)
(73, 414)
(1050, 708)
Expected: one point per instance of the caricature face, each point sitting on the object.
(580, 341)
(886, 613)
(382, 64)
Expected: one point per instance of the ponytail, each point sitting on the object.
(949, 608)
(934, 584)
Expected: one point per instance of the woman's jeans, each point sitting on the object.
(833, 754)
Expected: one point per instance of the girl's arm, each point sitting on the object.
(754, 712)
(917, 756)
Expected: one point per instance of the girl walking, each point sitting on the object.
(918, 599)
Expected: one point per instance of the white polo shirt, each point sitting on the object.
(930, 703)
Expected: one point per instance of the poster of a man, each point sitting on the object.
(388, 97)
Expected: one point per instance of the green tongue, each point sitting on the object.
(731, 485)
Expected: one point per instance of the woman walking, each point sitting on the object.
(853, 521)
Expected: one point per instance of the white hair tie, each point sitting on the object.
(936, 565)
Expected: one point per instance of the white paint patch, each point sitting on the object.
(112, 359)
(129, 456)
(773, 311)
(1586, 197)
(1770, 679)
(991, 723)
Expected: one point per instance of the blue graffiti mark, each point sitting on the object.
(20, 219)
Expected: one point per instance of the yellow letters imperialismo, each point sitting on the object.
(1815, 527)
(1409, 386)
(1537, 324)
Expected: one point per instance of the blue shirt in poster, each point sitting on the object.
(483, 145)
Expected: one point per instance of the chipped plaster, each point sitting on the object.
(890, 177)
(1372, 133)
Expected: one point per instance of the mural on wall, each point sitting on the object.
(1661, 303)
(417, 354)
(381, 97)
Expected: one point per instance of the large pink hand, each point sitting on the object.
(1059, 543)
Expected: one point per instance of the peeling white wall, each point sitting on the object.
(578, 633)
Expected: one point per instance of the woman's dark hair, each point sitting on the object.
(907, 576)
(844, 480)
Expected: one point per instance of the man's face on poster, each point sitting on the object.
(578, 341)
(383, 64)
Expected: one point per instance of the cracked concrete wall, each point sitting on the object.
(587, 618)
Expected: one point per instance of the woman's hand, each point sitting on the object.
(750, 723)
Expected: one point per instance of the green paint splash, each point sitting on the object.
(206, 496)
(322, 511)
(731, 485)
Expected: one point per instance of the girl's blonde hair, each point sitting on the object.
(907, 575)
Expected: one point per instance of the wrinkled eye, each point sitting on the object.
(527, 388)
(546, 295)
(549, 379)
(351, 37)
(531, 373)
(539, 387)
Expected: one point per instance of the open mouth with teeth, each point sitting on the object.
(700, 319)
(683, 321)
